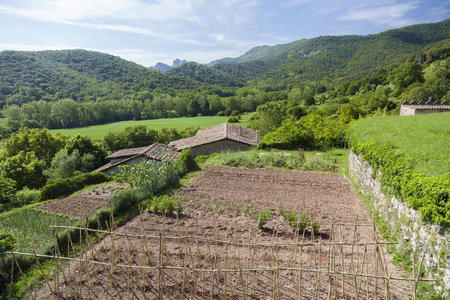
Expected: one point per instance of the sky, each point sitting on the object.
(151, 31)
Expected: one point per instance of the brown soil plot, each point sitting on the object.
(84, 204)
(215, 250)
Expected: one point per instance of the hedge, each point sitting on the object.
(429, 195)
(63, 187)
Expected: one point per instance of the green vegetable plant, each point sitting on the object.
(165, 204)
(262, 217)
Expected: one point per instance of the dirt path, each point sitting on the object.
(249, 262)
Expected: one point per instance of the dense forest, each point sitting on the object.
(304, 95)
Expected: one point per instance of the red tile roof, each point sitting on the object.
(218, 133)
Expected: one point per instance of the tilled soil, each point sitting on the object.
(215, 249)
(84, 204)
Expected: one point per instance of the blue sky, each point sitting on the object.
(151, 31)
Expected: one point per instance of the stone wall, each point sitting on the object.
(220, 146)
(432, 240)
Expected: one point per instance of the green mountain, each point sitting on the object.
(80, 75)
(333, 56)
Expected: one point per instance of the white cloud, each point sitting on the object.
(218, 37)
(392, 14)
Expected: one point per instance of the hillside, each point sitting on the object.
(78, 74)
(333, 56)
(423, 138)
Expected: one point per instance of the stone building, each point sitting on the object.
(156, 152)
(421, 108)
(219, 138)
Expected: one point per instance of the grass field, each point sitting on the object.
(99, 131)
(31, 227)
(423, 138)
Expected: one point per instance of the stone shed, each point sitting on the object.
(421, 108)
(156, 152)
(219, 138)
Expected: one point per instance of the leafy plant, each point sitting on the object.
(263, 217)
(315, 225)
(165, 204)
(296, 221)
(7, 242)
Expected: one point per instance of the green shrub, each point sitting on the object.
(186, 162)
(201, 158)
(262, 217)
(233, 120)
(7, 242)
(24, 197)
(429, 195)
(63, 187)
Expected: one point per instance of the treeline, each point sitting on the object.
(68, 113)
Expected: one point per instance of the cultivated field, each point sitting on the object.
(215, 250)
(99, 131)
(84, 204)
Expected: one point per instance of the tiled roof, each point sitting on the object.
(160, 152)
(155, 151)
(428, 107)
(218, 133)
(128, 152)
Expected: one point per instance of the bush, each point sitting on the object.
(220, 113)
(63, 187)
(233, 120)
(185, 163)
(429, 195)
(7, 242)
(24, 197)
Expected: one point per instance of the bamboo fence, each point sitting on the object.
(125, 265)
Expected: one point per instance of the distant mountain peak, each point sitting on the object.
(162, 67)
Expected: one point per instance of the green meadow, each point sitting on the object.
(99, 131)
(423, 138)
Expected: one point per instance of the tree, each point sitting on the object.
(268, 116)
(84, 145)
(65, 165)
(348, 113)
(26, 169)
(407, 74)
(41, 142)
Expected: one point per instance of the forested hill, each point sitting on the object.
(332, 56)
(79, 75)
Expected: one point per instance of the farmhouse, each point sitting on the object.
(420, 108)
(219, 138)
(156, 152)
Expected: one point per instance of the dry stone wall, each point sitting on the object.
(429, 240)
